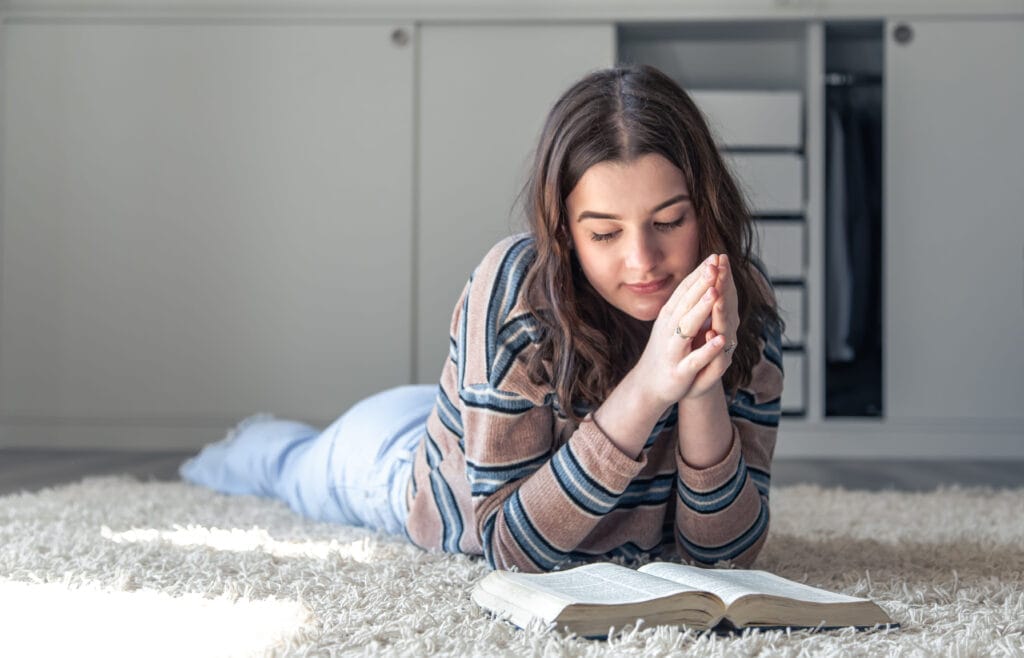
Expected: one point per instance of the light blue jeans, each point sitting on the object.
(354, 472)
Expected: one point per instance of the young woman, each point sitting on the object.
(614, 374)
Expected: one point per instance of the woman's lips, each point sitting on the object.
(654, 286)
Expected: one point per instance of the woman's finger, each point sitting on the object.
(693, 296)
(725, 316)
(720, 319)
(709, 376)
(691, 323)
(695, 275)
(722, 324)
(703, 356)
(685, 286)
(724, 268)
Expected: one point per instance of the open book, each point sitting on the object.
(589, 599)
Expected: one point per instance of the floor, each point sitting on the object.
(31, 470)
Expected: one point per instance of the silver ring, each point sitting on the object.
(679, 332)
(730, 347)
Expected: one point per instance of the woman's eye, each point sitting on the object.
(672, 225)
(662, 226)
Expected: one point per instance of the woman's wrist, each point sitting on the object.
(628, 415)
(703, 397)
(704, 429)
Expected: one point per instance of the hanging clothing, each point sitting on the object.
(864, 219)
(838, 277)
(853, 216)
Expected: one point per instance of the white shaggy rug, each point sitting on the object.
(116, 567)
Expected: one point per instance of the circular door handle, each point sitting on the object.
(903, 34)
(399, 36)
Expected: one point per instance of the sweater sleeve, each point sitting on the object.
(532, 503)
(533, 506)
(722, 511)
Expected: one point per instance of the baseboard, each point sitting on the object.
(143, 437)
(902, 439)
(838, 439)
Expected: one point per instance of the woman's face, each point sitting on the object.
(634, 224)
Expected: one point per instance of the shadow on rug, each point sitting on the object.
(114, 566)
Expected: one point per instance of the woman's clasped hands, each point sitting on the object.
(694, 335)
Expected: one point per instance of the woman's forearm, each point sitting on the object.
(628, 416)
(705, 429)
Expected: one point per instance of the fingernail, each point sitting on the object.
(709, 272)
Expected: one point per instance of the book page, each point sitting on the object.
(599, 584)
(731, 584)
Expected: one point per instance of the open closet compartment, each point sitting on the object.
(853, 218)
(749, 79)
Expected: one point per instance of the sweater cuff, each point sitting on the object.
(602, 458)
(714, 476)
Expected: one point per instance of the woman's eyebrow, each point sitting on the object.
(590, 214)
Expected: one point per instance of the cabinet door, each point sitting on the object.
(485, 91)
(954, 310)
(202, 221)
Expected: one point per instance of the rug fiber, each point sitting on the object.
(113, 566)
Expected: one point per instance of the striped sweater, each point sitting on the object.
(502, 472)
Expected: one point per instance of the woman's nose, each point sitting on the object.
(643, 253)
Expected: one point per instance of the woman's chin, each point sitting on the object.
(644, 309)
(643, 312)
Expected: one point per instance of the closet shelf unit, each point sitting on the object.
(762, 87)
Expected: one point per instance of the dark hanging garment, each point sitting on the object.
(854, 216)
(838, 276)
(853, 339)
(864, 220)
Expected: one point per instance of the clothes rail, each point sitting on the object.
(839, 79)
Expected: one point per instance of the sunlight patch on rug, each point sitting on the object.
(55, 620)
(253, 539)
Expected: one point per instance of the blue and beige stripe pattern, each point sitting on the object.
(485, 480)
(709, 555)
(580, 486)
(494, 476)
(531, 540)
(716, 500)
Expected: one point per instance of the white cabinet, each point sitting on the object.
(200, 221)
(794, 392)
(773, 183)
(954, 211)
(484, 94)
(782, 248)
(753, 119)
(790, 299)
(205, 218)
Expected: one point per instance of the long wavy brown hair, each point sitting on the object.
(619, 114)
